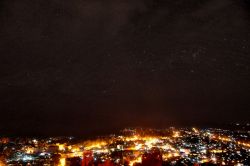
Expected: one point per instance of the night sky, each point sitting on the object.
(88, 67)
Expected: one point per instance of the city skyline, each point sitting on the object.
(133, 147)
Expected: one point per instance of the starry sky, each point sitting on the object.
(87, 67)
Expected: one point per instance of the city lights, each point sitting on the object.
(136, 147)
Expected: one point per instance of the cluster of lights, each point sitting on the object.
(185, 145)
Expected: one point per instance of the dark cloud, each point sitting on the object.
(73, 67)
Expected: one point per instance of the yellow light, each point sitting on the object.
(204, 160)
(176, 154)
(176, 134)
(195, 130)
(150, 142)
(137, 160)
(226, 139)
(167, 156)
(134, 138)
(61, 147)
(94, 144)
(29, 150)
(62, 162)
(138, 147)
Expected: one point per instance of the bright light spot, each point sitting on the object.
(62, 162)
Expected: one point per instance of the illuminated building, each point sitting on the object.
(87, 158)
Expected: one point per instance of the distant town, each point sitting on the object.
(133, 147)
